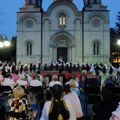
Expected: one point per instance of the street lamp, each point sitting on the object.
(118, 42)
(4, 42)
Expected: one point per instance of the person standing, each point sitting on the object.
(72, 97)
(58, 108)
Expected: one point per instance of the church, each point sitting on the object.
(63, 31)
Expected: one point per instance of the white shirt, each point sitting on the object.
(46, 108)
(75, 102)
(35, 83)
(21, 82)
(52, 83)
(8, 82)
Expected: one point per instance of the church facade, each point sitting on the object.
(63, 31)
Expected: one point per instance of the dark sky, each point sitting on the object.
(8, 9)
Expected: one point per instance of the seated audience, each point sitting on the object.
(8, 81)
(15, 75)
(35, 82)
(54, 81)
(40, 76)
(22, 80)
(20, 107)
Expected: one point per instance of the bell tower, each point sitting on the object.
(95, 17)
(35, 3)
(92, 2)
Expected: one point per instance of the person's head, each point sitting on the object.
(16, 72)
(118, 73)
(18, 92)
(7, 75)
(22, 77)
(38, 72)
(66, 89)
(33, 75)
(84, 72)
(55, 77)
(70, 71)
(72, 83)
(57, 91)
(60, 71)
(48, 94)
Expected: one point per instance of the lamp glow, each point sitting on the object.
(118, 42)
(1, 45)
(6, 43)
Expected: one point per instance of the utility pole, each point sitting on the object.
(41, 11)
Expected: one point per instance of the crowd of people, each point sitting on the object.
(33, 96)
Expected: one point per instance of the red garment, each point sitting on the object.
(15, 77)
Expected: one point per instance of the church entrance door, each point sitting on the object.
(62, 52)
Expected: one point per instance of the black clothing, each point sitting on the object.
(103, 110)
(58, 110)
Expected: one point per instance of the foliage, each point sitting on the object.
(117, 28)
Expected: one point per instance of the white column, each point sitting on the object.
(73, 54)
(51, 54)
(70, 54)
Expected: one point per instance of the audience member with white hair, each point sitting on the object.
(54, 81)
(35, 82)
(22, 80)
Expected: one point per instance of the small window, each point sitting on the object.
(62, 20)
(29, 48)
(96, 48)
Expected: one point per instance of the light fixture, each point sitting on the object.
(118, 42)
(4, 42)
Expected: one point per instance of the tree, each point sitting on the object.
(117, 28)
(13, 48)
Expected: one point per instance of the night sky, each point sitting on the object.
(8, 9)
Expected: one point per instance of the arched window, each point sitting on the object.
(96, 48)
(62, 20)
(28, 48)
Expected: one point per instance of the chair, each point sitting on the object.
(5, 90)
(37, 91)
